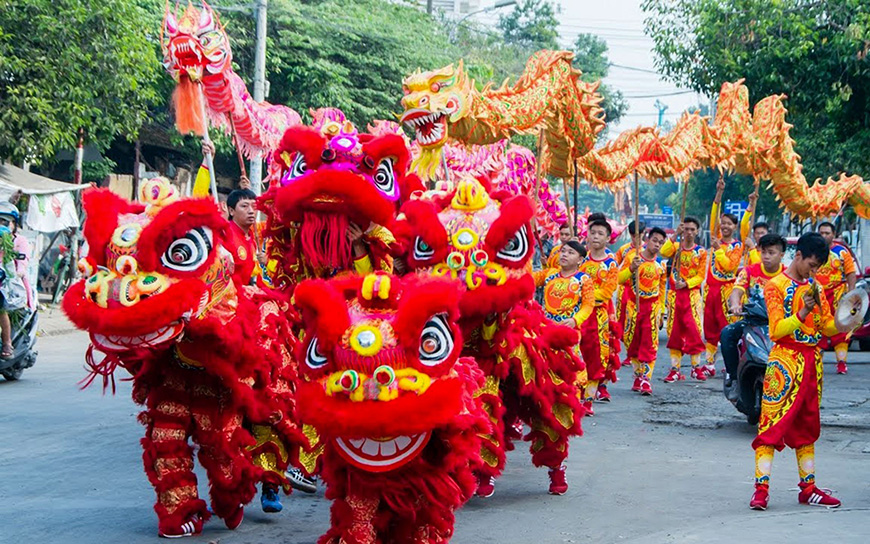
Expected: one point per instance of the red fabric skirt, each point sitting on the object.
(714, 310)
(595, 343)
(685, 327)
(642, 336)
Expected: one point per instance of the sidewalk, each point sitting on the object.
(53, 322)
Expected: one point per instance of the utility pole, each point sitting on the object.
(256, 169)
(429, 7)
(661, 107)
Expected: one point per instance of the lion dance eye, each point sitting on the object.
(385, 177)
(189, 252)
(297, 169)
(517, 247)
(436, 341)
(435, 87)
(313, 357)
(422, 250)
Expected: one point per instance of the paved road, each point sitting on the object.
(676, 467)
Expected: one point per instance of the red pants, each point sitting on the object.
(642, 334)
(715, 318)
(684, 321)
(790, 401)
(595, 343)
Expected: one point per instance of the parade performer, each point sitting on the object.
(684, 300)
(649, 274)
(727, 252)
(555, 253)
(483, 241)
(799, 315)
(626, 252)
(759, 229)
(157, 297)
(837, 277)
(241, 205)
(383, 383)
(752, 277)
(333, 193)
(569, 294)
(596, 338)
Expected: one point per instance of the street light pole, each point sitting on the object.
(498, 5)
(256, 169)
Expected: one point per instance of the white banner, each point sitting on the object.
(52, 212)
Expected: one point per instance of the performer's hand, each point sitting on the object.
(715, 244)
(753, 197)
(809, 304)
(262, 259)
(244, 182)
(680, 284)
(635, 265)
(720, 186)
(679, 230)
(736, 309)
(207, 148)
(749, 244)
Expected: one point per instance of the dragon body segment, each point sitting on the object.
(196, 48)
(158, 299)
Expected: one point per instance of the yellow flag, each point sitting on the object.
(202, 183)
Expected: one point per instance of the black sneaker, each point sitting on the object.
(298, 480)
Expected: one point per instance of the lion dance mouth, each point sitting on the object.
(382, 454)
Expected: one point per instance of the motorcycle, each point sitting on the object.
(754, 347)
(24, 321)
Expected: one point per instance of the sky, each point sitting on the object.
(620, 24)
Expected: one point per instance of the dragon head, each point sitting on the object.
(195, 43)
(377, 366)
(432, 101)
(151, 267)
(481, 239)
(330, 175)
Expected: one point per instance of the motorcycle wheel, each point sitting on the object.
(12, 374)
(754, 414)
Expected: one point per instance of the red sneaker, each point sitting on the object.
(235, 519)
(645, 388)
(558, 483)
(587, 405)
(816, 496)
(842, 368)
(674, 376)
(191, 527)
(485, 486)
(636, 386)
(759, 498)
(602, 395)
(698, 374)
(709, 370)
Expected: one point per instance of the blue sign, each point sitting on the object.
(738, 208)
(667, 210)
(661, 220)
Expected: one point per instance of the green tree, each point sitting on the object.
(532, 24)
(70, 64)
(814, 52)
(591, 58)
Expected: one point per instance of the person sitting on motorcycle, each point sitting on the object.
(11, 265)
(755, 275)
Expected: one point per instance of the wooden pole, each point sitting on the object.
(676, 264)
(236, 144)
(209, 161)
(636, 239)
(136, 162)
(538, 194)
(576, 183)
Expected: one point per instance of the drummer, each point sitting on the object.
(837, 277)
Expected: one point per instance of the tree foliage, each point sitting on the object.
(70, 64)
(816, 52)
(532, 24)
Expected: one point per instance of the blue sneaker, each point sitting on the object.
(270, 499)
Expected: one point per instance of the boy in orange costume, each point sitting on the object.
(725, 260)
(838, 277)
(684, 300)
(642, 333)
(799, 315)
(569, 294)
(595, 335)
(626, 253)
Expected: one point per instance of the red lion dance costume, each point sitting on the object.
(382, 384)
(483, 242)
(158, 299)
(324, 178)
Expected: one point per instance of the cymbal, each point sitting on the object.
(851, 309)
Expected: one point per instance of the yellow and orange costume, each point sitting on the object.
(684, 305)
(642, 331)
(625, 253)
(793, 382)
(596, 336)
(832, 277)
(566, 298)
(721, 274)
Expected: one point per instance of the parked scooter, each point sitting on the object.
(754, 347)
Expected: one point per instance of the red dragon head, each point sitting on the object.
(328, 176)
(482, 239)
(379, 365)
(195, 44)
(152, 266)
